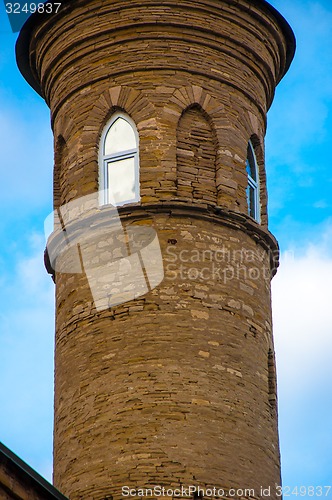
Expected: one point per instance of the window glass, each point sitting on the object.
(252, 190)
(251, 163)
(121, 179)
(119, 162)
(251, 201)
(120, 137)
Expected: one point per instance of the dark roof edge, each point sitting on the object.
(23, 40)
(22, 50)
(28, 471)
(287, 30)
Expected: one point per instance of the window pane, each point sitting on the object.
(248, 169)
(120, 137)
(248, 199)
(251, 200)
(121, 179)
(251, 164)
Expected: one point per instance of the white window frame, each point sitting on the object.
(253, 211)
(105, 160)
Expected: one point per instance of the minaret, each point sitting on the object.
(160, 109)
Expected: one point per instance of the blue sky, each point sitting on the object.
(299, 173)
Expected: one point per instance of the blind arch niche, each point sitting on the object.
(196, 157)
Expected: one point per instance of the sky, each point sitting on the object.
(298, 164)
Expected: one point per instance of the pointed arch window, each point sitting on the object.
(253, 183)
(119, 161)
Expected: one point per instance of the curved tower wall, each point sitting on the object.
(176, 387)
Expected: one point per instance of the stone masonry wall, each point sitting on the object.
(176, 387)
(154, 59)
(172, 388)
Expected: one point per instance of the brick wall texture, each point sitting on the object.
(18, 483)
(178, 386)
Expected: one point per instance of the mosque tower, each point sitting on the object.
(159, 108)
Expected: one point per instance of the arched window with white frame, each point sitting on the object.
(119, 161)
(252, 190)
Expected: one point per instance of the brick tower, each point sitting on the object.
(175, 386)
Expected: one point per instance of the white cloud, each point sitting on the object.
(26, 358)
(26, 291)
(302, 312)
(302, 309)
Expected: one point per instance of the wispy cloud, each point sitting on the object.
(309, 80)
(26, 358)
(300, 121)
(299, 173)
(26, 154)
